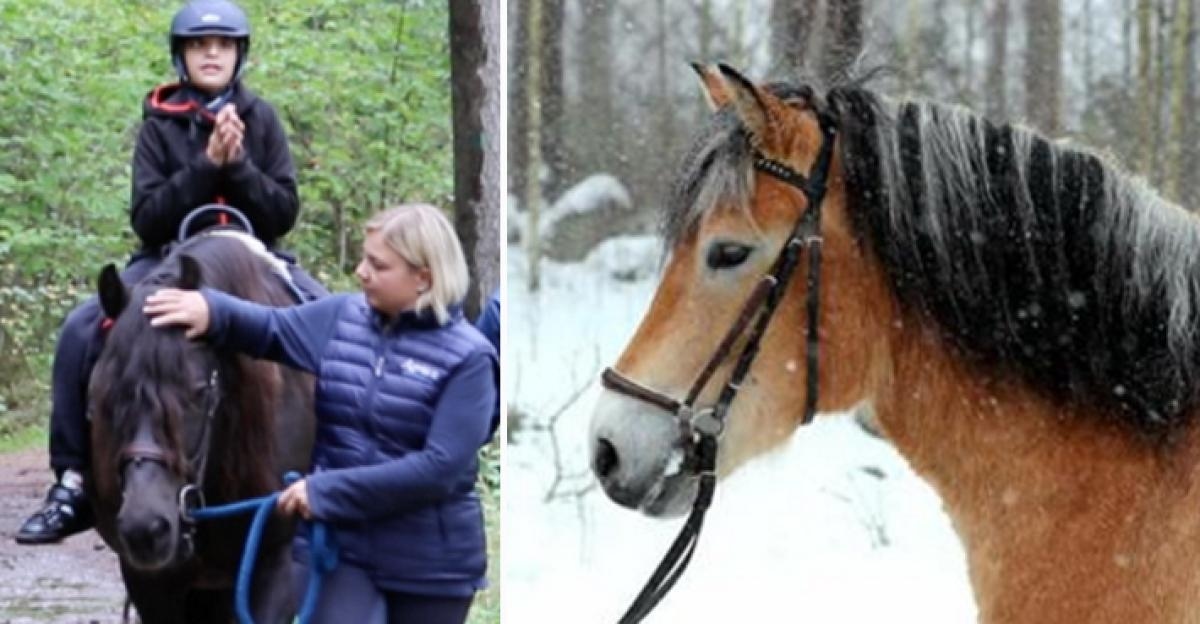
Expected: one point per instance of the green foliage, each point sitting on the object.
(368, 130)
(362, 88)
(486, 608)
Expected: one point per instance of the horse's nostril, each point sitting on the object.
(605, 460)
(159, 528)
(144, 536)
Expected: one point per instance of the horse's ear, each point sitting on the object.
(757, 109)
(190, 274)
(716, 92)
(113, 294)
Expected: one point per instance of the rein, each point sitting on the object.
(323, 554)
(193, 509)
(700, 429)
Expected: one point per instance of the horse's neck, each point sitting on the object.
(1064, 518)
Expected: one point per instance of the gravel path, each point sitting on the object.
(74, 581)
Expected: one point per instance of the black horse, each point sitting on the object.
(177, 424)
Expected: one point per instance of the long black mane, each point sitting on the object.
(147, 372)
(1032, 258)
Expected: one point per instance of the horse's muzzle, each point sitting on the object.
(150, 539)
(639, 459)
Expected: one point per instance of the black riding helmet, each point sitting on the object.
(209, 17)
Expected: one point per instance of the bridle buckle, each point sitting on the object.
(191, 498)
(705, 422)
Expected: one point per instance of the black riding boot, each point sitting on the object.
(65, 513)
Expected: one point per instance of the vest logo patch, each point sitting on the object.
(420, 369)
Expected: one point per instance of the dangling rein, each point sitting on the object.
(322, 551)
(702, 428)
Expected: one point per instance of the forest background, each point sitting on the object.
(603, 86)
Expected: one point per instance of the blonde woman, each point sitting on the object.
(405, 398)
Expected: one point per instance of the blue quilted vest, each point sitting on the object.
(375, 399)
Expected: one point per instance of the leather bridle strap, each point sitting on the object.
(760, 305)
(140, 451)
(679, 555)
(613, 380)
(759, 308)
(191, 495)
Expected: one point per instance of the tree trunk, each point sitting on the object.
(996, 85)
(704, 16)
(560, 173)
(385, 194)
(1158, 106)
(791, 32)
(1089, 62)
(843, 40)
(474, 95)
(740, 49)
(911, 47)
(1189, 191)
(1145, 82)
(967, 88)
(518, 135)
(1181, 76)
(667, 112)
(532, 196)
(593, 121)
(1043, 65)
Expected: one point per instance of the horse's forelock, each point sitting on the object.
(148, 374)
(139, 359)
(716, 171)
(718, 168)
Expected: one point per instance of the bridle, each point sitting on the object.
(700, 429)
(191, 494)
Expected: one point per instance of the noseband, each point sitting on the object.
(191, 495)
(700, 429)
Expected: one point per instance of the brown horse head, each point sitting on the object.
(726, 225)
(1020, 313)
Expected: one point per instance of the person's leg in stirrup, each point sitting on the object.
(66, 510)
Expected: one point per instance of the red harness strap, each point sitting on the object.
(222, 217)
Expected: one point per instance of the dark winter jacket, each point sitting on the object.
(172, 174)
(402, 410)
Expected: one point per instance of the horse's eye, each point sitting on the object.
(727, 255)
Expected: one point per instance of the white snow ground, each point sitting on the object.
(803, 534)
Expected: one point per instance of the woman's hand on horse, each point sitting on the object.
(294, 500)
(171, 306)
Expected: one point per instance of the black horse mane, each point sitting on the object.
(150, 372)
(1031, 258)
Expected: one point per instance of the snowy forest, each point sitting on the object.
(604, 85)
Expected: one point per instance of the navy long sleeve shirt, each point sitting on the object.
(298, 336)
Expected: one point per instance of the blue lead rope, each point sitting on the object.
(322, 552)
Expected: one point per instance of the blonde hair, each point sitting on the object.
(422, 235)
